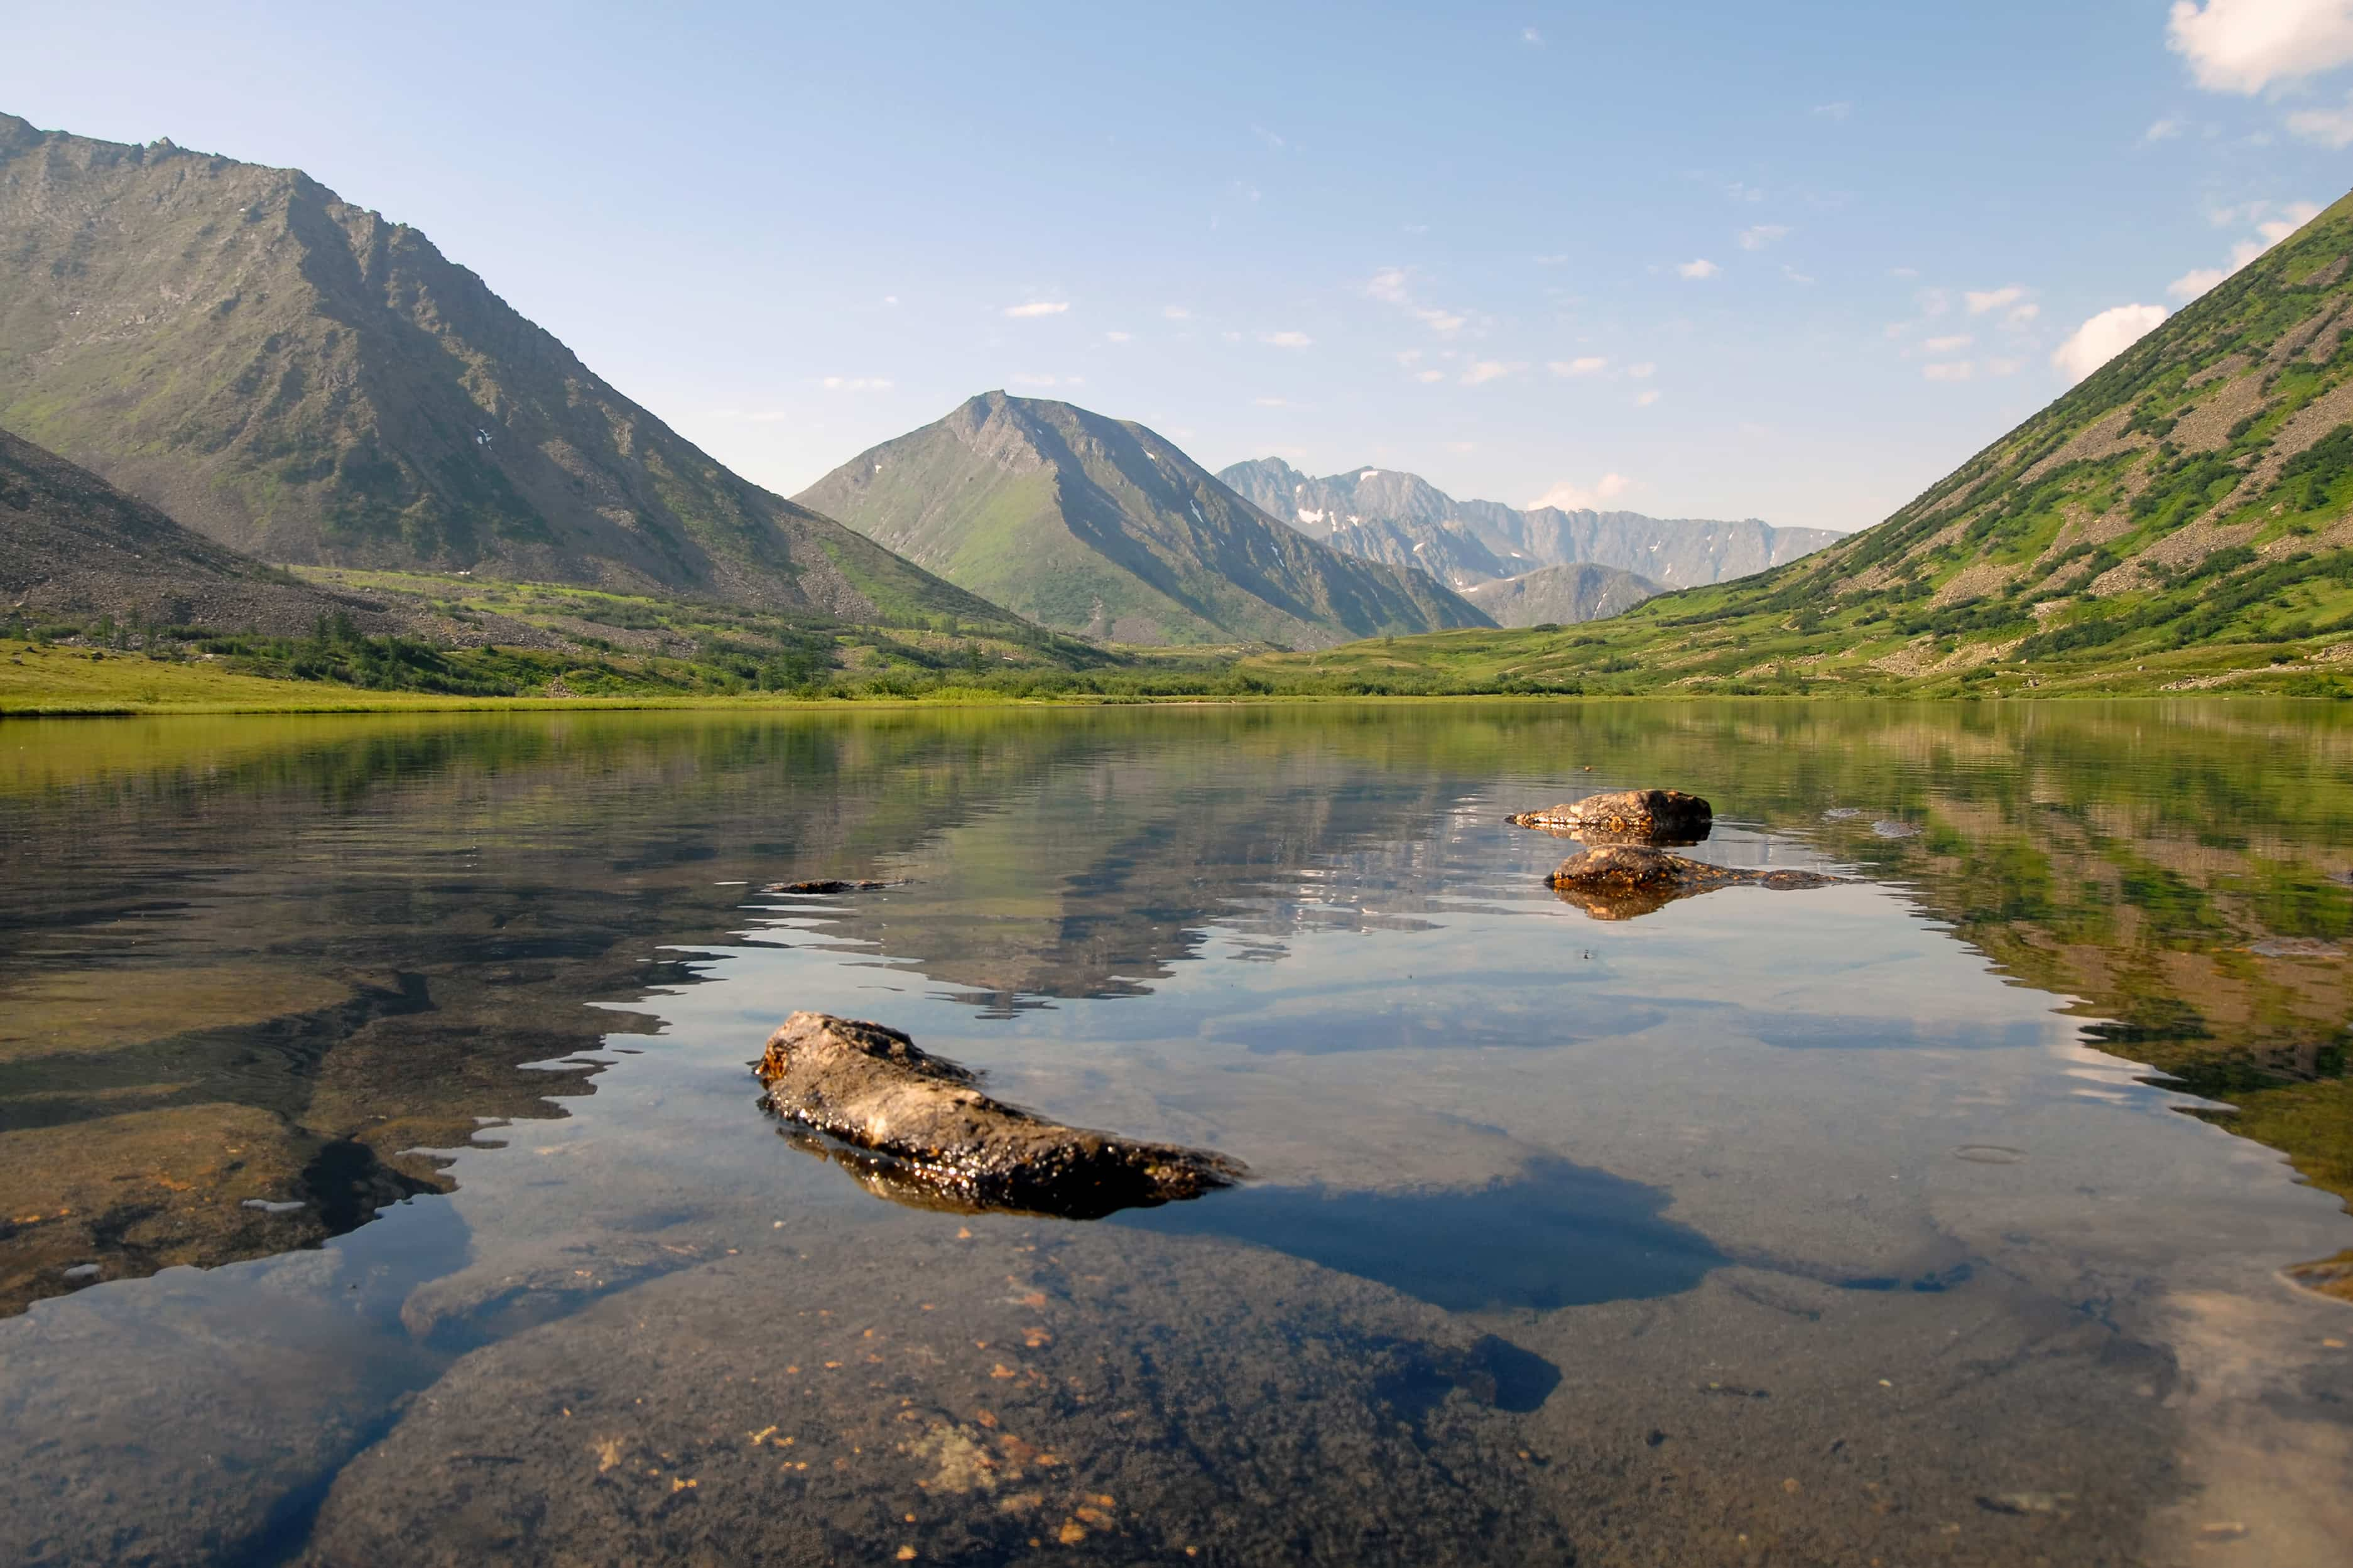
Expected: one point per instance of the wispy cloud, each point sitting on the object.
(1583, 364)
(1741, 191)
(1037, 307)
(1117, 337)
(1642, 370)
(1960, 370)
(1763, 234)
(856, 383)
(1272, 402)
(1531, 37)
(2329, 126)
(1175, 313)
(1430, 375)
(1699, 269)
(1572, 497)
(1394, 286)
(1287, 340)
(1648, 395)
(2161, 131)
(1980, 301)
(1488, 370)
(2269, 231)
(1947, 344)
(1838, 110)
(1794, 276)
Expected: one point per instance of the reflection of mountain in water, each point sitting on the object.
(270, 960)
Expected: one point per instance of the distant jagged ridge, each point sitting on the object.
(1561, 596)
(1386, 514)
(1100, 526)
(303, 381)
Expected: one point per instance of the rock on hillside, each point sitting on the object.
(1561, 595)
(1384, 514)
(304, 381)
(1098, 526)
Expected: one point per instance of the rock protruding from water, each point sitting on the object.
(871, 1088)
(1619, 882)
(827, 885)
(1651, 816)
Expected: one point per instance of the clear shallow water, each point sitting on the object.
(1786, 1225)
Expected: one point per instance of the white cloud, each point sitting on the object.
(1763, 234)
(2004, 367)
(1430, 375)
(2292, 217)
(856, 383)
(1794, 276)
(1530, 36)
(1408, 356)
(1446, 323)
(1838, 110)
(1946, 345)
(2196, 281)
(890, 299)
(1118, 337)
(1488, 370)
(1038, 308)
(1648, 395)
(2162, 131)
(1578, 498)
(1583, 364)
(2329, 127)
(1642, 370)
(1388, 284)
(1559, 259)
(1903, 272)
(1741, 191)
(2245, 46)
(2104, 336)
(1702, 267)
(1175, 313)
(1980, 301)
(1274, 403)
(2023, 314)
(1287, 340)
(1960, 370)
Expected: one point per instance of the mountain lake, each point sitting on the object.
(386, 1182)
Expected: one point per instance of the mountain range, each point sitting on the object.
(2182, 519)
(1561, 595)
(1386, 514)
(1101, 527)
(300, 379)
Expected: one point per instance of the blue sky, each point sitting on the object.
(1794, 261)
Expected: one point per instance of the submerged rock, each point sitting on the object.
(828, 885)
(1619, 882)
(871, 1088)
(1654, 814)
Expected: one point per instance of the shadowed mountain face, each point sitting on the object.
(1561, 595)
(303, 381)
(1098, 526)
(74, 547)
(1383, 514)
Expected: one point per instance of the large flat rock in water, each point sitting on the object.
(995, 1391)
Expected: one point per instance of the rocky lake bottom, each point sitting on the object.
(386, 1182)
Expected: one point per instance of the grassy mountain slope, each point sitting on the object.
(1561, 595)
(1098, 526)
(1386, 514)
(303, 381)
(2181, 520)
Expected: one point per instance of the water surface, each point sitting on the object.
(385, 1179)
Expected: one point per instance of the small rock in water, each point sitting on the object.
(1841, 813)
(83, 1274)
(1650, 815)
(824, 886)
(920, 1133)
(293, 1205)
(1895, 830)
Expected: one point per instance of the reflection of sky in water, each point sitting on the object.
(1801, 1140)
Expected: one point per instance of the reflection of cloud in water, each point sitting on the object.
(1558, 1234)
